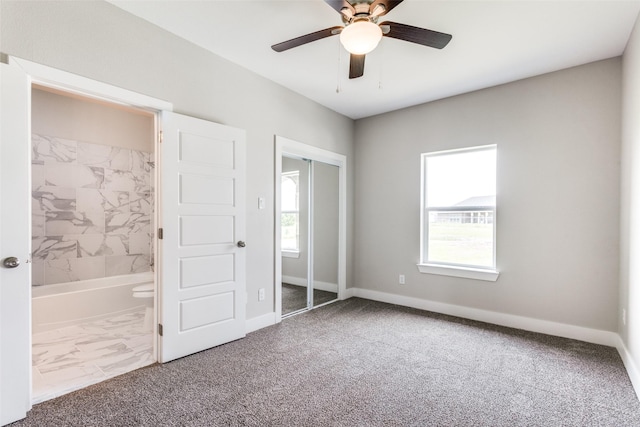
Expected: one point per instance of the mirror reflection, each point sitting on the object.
(294, 199)
(309, 195)
(325, 233)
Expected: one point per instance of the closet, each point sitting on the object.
(310, 200)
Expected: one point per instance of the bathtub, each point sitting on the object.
(67, 304)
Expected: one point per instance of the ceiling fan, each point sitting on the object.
(361, 32)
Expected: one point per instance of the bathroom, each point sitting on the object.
(93, 280)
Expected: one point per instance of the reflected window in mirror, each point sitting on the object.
(290, 208)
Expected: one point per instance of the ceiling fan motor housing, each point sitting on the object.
(362, 11)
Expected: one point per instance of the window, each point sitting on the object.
(458, 213)
(290, 211)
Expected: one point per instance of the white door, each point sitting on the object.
(15, 304)
(202, 298)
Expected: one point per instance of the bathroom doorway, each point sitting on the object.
(93, 240)
(310, 227)
(203, 144)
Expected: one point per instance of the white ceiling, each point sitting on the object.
(494, 42)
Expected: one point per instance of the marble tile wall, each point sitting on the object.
(92, 210)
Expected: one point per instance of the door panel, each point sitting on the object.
(15, 236)
(208, 270)
(294, 220)
(206, 190)
(198, 149)
(203, 269)
(325, 232)
(202, 230)
(206, 310)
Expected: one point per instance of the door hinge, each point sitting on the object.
(160, 233)
(160, 329)
(160, 137)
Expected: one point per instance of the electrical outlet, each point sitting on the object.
(624, 316)
(401, 279)
(261, 294)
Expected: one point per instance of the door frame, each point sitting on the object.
(291, 148)
(51, 77)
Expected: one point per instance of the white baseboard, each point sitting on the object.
(260, 322)
(348, 293)
(297, 281)
(302, 281)
(594, 336)
(630, 365)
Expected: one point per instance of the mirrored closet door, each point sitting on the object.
(309, 229)
(325, 233)
(294, 220)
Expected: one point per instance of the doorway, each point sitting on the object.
(310, 243)
(18, 76)
(93, 234)
(197, 308)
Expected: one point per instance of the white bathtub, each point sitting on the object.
(67, 304)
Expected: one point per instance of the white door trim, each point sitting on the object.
(300, 150)
(69, 82)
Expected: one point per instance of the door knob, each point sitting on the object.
(241, 244)
(11, 262)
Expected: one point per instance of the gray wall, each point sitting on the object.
(630, 203)
(558, 138)
(102, 42)
(81, 119)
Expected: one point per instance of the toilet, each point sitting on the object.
(147, 292)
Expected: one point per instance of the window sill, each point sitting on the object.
(467, 273)
(291, 254)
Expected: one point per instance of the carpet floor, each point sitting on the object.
(294, 297)
(364, 363)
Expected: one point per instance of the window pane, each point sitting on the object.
(460, 200)
(289, 192)
(289, 195)
(290, 228)
(461, 238)
(459, 176)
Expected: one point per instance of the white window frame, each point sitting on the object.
(489, 273)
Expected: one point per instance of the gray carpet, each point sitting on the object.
(362, 363)
(294, 297)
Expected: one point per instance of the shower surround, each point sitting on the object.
(92, 210)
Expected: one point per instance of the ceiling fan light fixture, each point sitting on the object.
(360, 37)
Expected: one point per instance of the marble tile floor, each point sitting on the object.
(75, 357)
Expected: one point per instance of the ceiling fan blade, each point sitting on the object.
(307, 38)
(388, 5)
(338, 5)
(417, 35)
(356, 66)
